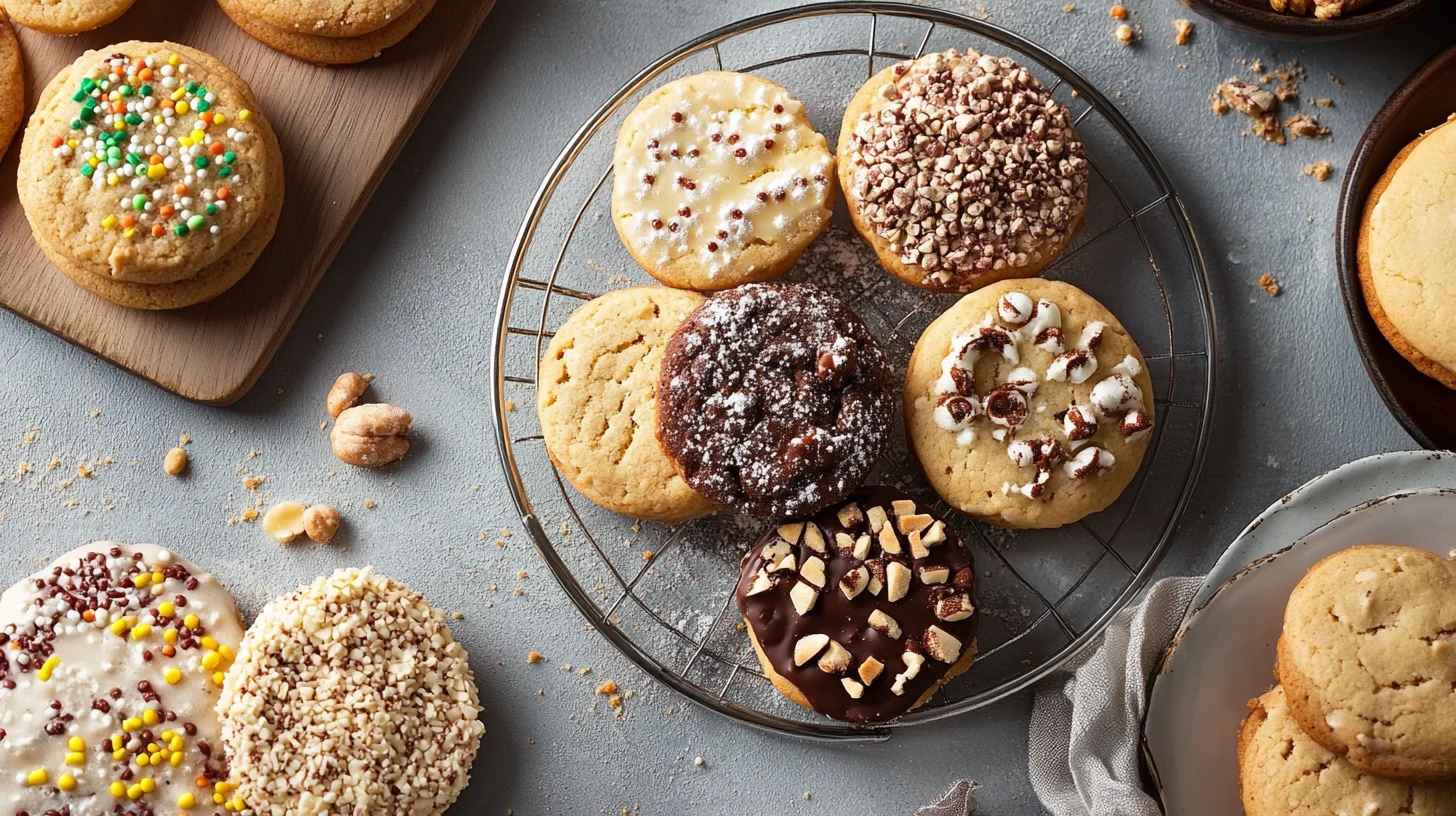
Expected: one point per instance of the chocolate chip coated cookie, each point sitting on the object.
(774, 400)
(863, 611)
(1368, 660)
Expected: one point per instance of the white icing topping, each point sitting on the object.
(1116, 394)
(1129, 366)
(1089, 462)
(1015, 308)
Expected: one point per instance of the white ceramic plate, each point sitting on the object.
(1224, 654)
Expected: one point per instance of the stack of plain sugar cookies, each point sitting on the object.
(1363, 721)
(328, 32)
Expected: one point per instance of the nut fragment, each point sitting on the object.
(942, 645)
(791, 532)
(954, 608)
(371, 435)
(1182, 31)
(934, 575)
(853, 582)
(877, 519)
(889, 542)
(804, 597)
(175, 462)
(321, 522)
(1125, 34)
(870, 669)
(884, 623)
(345, 393)
(813, 571)
(284, 520)
(852, 687)
(903, 507)
(850, 515)
(761, 583)
(1246, 98)
(897, 581)
(807, 647)
(836, 659)
(914, 523)
(934, 535)
(814, 538)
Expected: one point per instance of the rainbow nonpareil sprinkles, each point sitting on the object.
(148, 130)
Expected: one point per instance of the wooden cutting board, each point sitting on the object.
(340, 129)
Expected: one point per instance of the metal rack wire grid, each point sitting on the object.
(663, 594)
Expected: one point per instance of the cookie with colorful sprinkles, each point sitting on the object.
(720, 180)
(12, 83)
(149, 175)
(65, 17)
(306, 39)
(111, 662)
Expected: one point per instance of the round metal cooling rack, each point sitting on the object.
(663, 594)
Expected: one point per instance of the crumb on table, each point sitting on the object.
(1269, 284)
(1321, 171)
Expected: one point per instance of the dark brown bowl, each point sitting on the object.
(1424, 406)
(1256, 17)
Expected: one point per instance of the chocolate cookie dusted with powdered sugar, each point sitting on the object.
(961, 169)
(863, 611)
(774, 400)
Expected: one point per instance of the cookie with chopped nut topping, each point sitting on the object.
(1368, 660)
(961, 169)
(719, 179)
(1028, 405)
(863, 611)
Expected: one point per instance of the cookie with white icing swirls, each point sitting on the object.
(1028, 405)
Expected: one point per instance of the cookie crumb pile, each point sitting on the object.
(350, 695)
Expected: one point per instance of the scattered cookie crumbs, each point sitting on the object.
(1305, 126)
(1246, 98)
(1069, 8)
(254, 482)
(369, 504)
(1118, 12)
(1321, 171)
(184, 440)
(254, 454)
(1336, 80)
(95, 414)
(518, 592)
(1182, 32)
(1267, 127)
(1218, 104)
(30, 437)
(1125, 34)
(249, 514)
(609, 687)
(510, 405)
(175, 462)
(85, 470)
(1325, 102)
(698, 761)
(1269, 284)
(535, 657)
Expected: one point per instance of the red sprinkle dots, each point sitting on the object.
(712, 246)
(652, 143)
(736, 213)
(717, 137)
(676, 154)
(778, 128)
(733, 138)
(778, 108)
(657, 223)
(672, 227)
(649, 179)
(693, 154)
(740, 152)
(722, 233)
(763, 196)
(768, 144)
(685, 212)
(677, 117)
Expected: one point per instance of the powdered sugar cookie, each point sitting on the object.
(961, 169)
(720, 180)
(111, 660)
(1028, 405)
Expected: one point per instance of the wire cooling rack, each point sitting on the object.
(663, 594)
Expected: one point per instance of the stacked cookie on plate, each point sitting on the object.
(1363, 720)
(1026, 404)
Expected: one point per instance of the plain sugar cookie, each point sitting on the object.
(12, 83)
(1407, 253)
(1368, 660)
(65, 17)
(111, 661)
(961, 169)
(597, 400)
(1282, 772)
(327, 18)
(719, 180)
(1028, 405)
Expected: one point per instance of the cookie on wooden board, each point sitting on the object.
(719, 179)
(12, 84)
(597, 399)
(322, 50)
(1028, 404)
(149, 176)
(1368, 659)
(65, 17)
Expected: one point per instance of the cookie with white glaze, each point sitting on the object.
(1368, 660)
(1282, 772)
(1028, 404)
(597, 399)
(111, 662)
(719, 179)
(961, 169)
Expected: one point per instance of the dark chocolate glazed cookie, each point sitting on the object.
(774, 400)
(863, 612)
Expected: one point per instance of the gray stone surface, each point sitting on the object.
(410, 298)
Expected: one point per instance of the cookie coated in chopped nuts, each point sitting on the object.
(962, 169)
(350, 696)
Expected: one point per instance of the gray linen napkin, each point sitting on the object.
(1083, 747)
